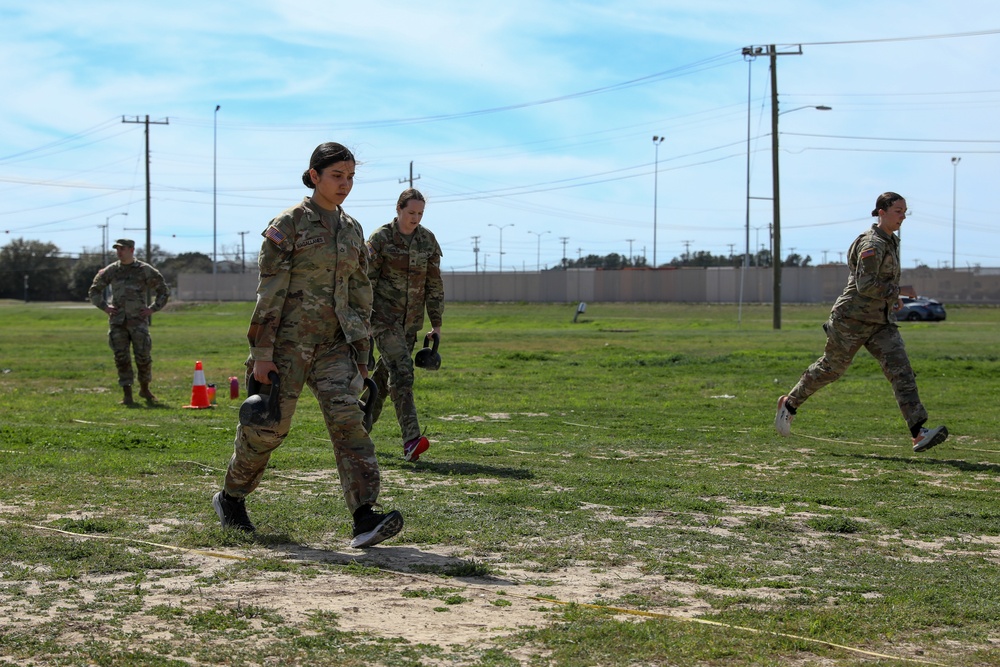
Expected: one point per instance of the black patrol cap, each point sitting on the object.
(124, 243)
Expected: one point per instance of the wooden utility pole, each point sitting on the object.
(149, 236)
(412, 177)
(771, 50)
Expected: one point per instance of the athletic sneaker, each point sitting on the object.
(371, 527)
(414, 448)
(929, 437)
(783, 418)
(232, 512)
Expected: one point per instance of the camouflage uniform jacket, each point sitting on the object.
(129, 285)
(873, 286)
(313, 284)
(406, 278)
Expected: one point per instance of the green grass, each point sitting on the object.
(636, 444)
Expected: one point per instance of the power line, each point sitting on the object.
(839, 136)
(954, 35)
(691, 68)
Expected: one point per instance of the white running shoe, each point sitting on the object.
(783, 418)
(929, 437)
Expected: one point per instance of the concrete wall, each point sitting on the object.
(811, 284)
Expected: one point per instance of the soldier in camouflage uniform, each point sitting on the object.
(131, 283)
(864, 315)
(404, 265)
(311, 326)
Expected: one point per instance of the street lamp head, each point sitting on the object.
(820, 107)
(956, 160)
(658, 139)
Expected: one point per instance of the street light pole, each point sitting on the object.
(104, 242)
(105, 233)
(954, 200)
(538, 255)
(215, 143)
(657, 140)
(501, 228)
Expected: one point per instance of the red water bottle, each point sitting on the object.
(234, 387)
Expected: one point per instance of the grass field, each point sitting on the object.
(606, 492)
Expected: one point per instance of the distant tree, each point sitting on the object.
(159, 255)
(47, 273)
(796, 259)
(703, 258)
(607, 262)
(186, 262)
(81, 275)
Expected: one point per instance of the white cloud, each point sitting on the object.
(289, 76)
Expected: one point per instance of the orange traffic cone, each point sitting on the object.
(199, 390)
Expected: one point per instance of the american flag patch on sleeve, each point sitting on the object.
(865, 254)
(274, 235)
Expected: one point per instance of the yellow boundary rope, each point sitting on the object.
(616, 610)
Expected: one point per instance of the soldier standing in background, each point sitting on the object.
(311, 326)
(864, 315)
(128, 314)
(404, 265)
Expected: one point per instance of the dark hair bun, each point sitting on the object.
(323, 156)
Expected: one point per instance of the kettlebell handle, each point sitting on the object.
(429, 337)
(254, 385)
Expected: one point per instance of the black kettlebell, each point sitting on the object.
(368, 405)
(428, 358)
(261, 409)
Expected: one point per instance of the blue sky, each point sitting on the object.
(528, 120)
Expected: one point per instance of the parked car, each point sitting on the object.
(920, 309)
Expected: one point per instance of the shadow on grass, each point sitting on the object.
(458, 468)
(965, 466)
(404, 560)
(143, 405)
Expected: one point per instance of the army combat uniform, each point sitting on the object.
(405, 273)
(864, 316)
(130, 286)
(312, 320)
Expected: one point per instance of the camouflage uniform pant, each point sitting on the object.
(393, 375)
(331, 372)
(844, 337)
(136, 335)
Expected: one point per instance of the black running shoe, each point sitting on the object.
(371, 527)
(232, 512)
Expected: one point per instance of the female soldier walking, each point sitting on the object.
(864, 315)
(404, 266)
(311, 327)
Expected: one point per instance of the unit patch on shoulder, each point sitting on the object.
(865, 254)
(274, 235)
